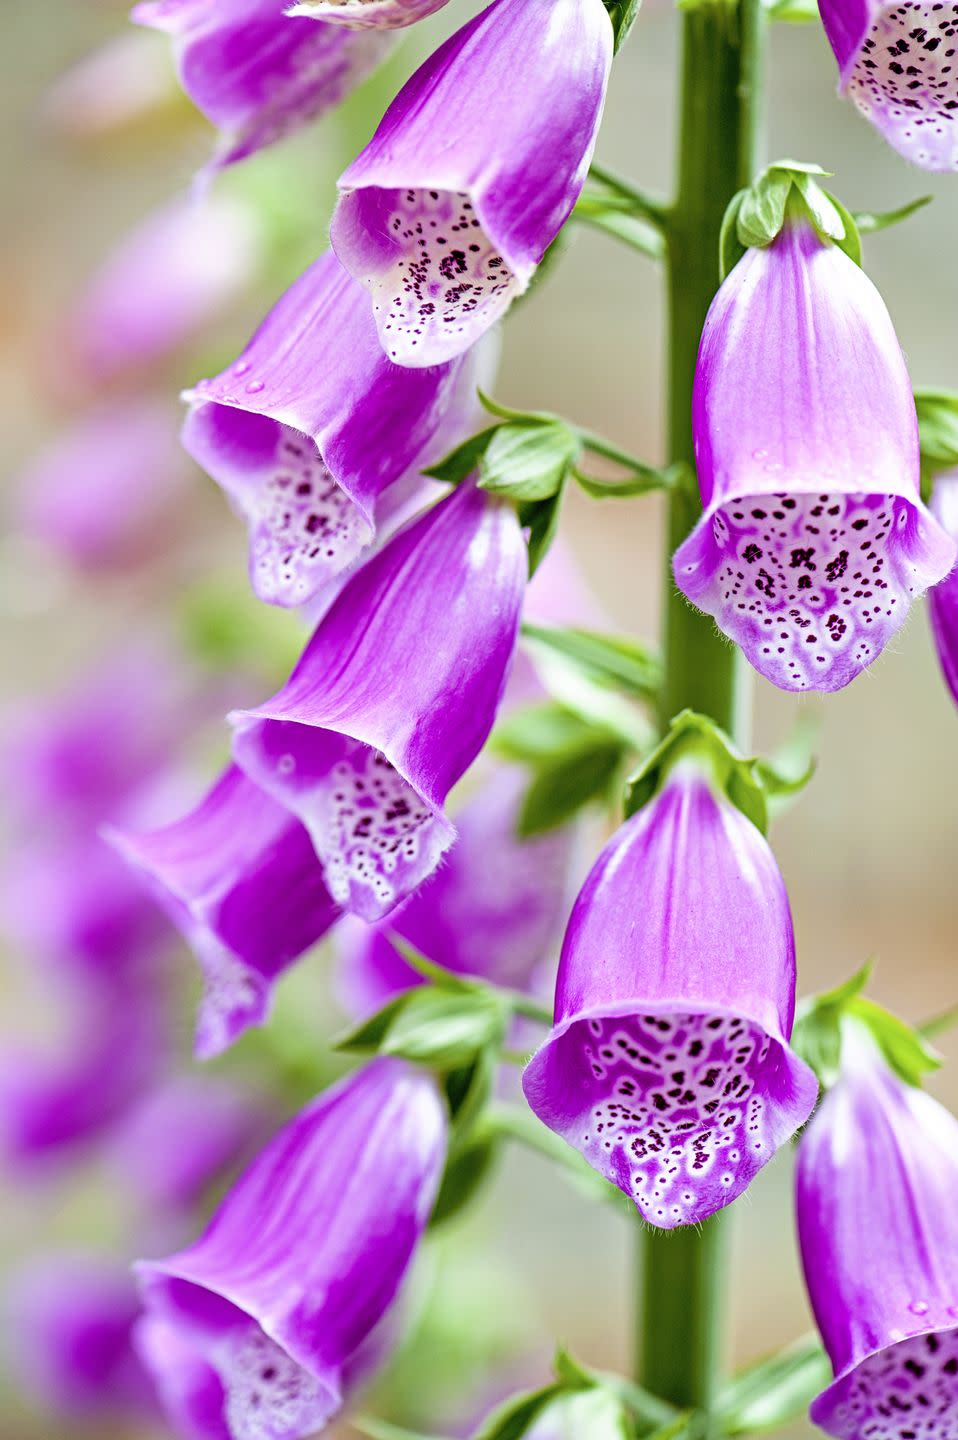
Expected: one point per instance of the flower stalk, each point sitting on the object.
(683, 1273)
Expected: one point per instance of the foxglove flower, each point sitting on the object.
(393, 699)
(814, 540)
(368, 14)
(70, 1319)
(239, 877)
(123, 82)
(303, 1257)
(166, 282)
(896, 62)
(313, 424)
(492, 909)
(182, 1137)
(668, 1065)
(472, 173)
(943, 599)
(257, 74)
(878, 1226)
(102, 495)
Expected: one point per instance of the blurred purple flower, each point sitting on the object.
(183, 1136)
(70, 1318)
(393, 699)
(123, 81)
(895, 61)
(878, 1226)
(302, 1259)
(492, 909)
(165, 283)
(312, 424)
(239, 876)
(367, 14)
(472, 173)
(668, 1066)
(943, 599)
(257, 74)
(101, 495)
(814, 540)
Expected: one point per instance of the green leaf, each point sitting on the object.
(623, 14)
(575, 778)
(938, 427)
(540, 732)
(905, 1048)
(542, 519)
(645, 480)
(611, 660)
(466, 1171)
(432, 1025)
(460, 463)
(731, 248)
(468, 1090)
(938, 1024)
(776, 1389)
(850, 238)
(870, 221)
(528, 462)
(516, 417)
(511, 1420)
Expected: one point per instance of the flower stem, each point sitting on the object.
(683, 1273)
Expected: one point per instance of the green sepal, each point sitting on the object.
(528, 461)
(756, 215)
(644, 480)
(578, 776)
(938, 428)
(515, 1416)
(869, 222)
(776, 1389)
(610, 660)
(460, 463)
(692, 734)
(517, 417)
(432, 1025)
(469, 1166)
(536, 734)
(731, 248)
(541, 518)
(378, 1429)
(850, 238)
(817, 1035)
(623, 14)
(905, 1048)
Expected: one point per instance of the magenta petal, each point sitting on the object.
(256, 73)
(309, 428)
(167, 281)
(878, 1226)
(896, 64)
(943, 599)
(239, 876)
(492, 909)
(368, 14)
(668, 1066)
(814, 540)
(306, 1252)
(473, 171)
(393, 699)
(189, 1389)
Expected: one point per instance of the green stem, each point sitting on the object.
(682, 1297)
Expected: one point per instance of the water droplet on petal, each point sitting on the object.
(255, 386)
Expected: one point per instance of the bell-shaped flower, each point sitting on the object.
(239, 876)
(177, 272)
(896, 62)
(878, 1227)
(102, 495)
(69, 1319)
(814, 540)
(393, 698)
(491, 910)
(301, 1261)
(124, 83)
(309, 428)
(472, 173)
(668, 1065)
(256, 73)
(368, 14)
(943, 599)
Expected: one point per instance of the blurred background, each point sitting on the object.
(160, 600)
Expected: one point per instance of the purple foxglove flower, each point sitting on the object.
(472, 173)
(183, 1136)
(239, 876)
(896, 64)
(814, 540)
(312, 424)
(304, 1256)
(126, 80)
(668, 1065)
(70, 1319)
(257, 74)
(167, 281)
(393, 699)
(878, 1227)
(368, 14)
(943, 599)
(188, 1388)
(492, 909)
(102, 494)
